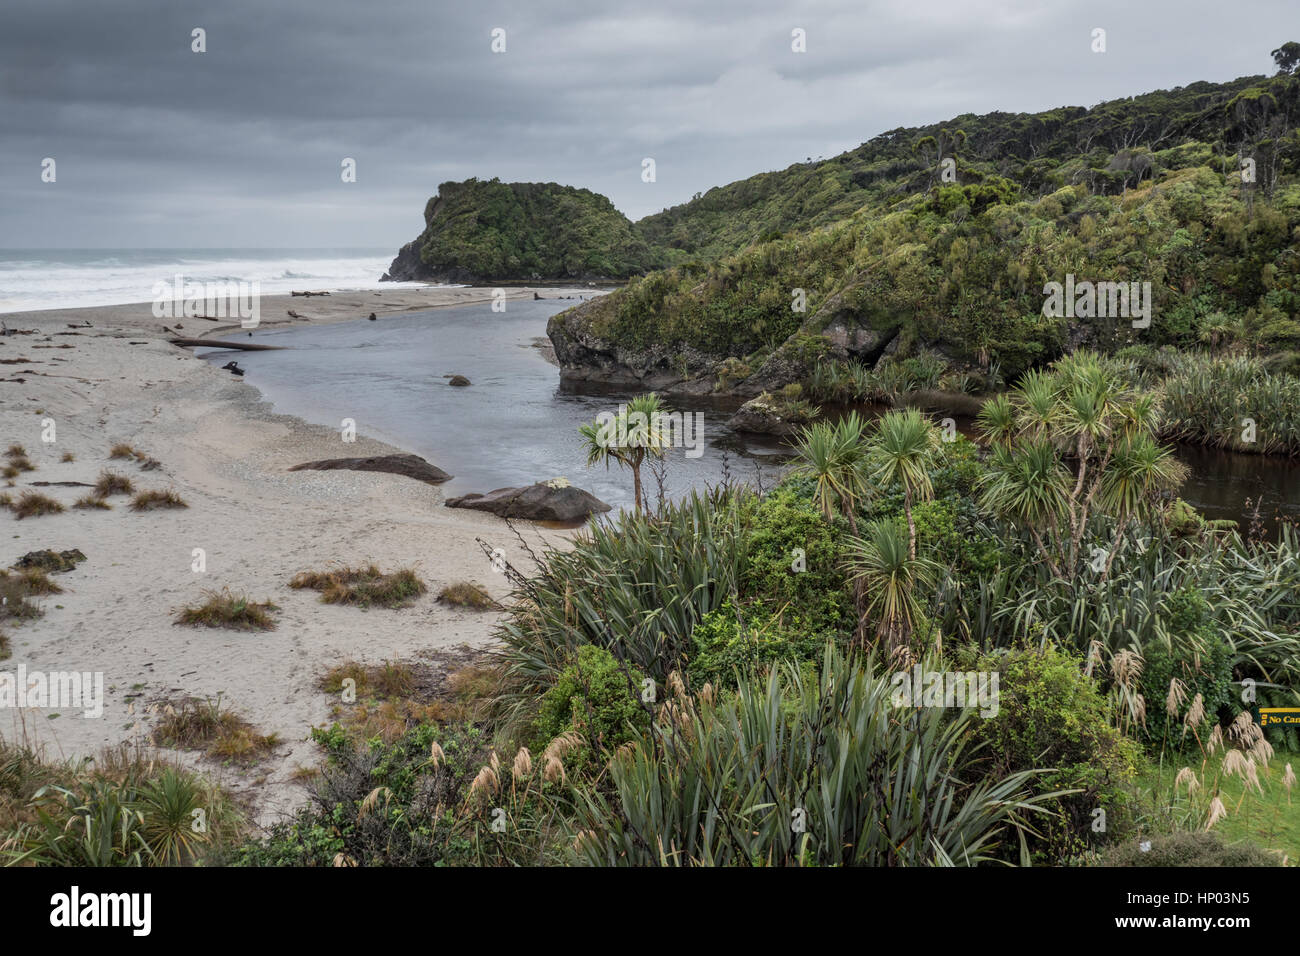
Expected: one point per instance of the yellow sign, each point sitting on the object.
(1279, 717)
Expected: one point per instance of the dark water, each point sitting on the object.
(1226, 484)
(515, 426)
(512, 426)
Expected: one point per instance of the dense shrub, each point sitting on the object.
(597, 697)
(727, 645)
(1051, 715)
(377, 804)
(812, 594)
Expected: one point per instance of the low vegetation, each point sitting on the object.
(384, 701)
(231, 611)
(145, 461)
(467, 594)
(218, 732)
(111, 483)
(124, 808)
(31, 504)
(362, 586)
(152, 500)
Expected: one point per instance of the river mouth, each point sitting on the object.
(515, 424)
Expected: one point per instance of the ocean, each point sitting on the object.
(70, 278)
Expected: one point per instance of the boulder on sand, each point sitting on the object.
(544, 501)
(51, 560)
(412, 466)
(458, 380)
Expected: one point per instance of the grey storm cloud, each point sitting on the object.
(156, 145)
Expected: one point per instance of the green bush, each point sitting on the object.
(816, 598)
(597, 697)
(728, 644)
(379, 804)
(1051, 715)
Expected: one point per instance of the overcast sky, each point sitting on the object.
(159, 146)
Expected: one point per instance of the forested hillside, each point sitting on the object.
(941, 240)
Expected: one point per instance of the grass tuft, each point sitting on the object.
(204, 725)
(231, 611)
(362, 587)
(466, 594)
(34, 581)
(149, 500)
(31, 504)
(15, 590)
(111, 483)
(92, 501)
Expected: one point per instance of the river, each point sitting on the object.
(515, 425)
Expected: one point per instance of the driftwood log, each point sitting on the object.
(220, 344)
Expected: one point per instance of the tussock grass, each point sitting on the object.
(92, 501)
(232, 611)
(15, 451)
(111, 483)
(33, 504)
(5, 651)
(14, 598)
(68, 456)
(9, 471)
(34, 581)
(362, 587)
(203, 725)
(467, 594)
(149, 500)
(6, 501)
(146, 462)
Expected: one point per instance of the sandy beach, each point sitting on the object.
(224, 451)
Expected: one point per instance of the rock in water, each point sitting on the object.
(767, 415)
(538, 502)
(458, 380)
(411, 466)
